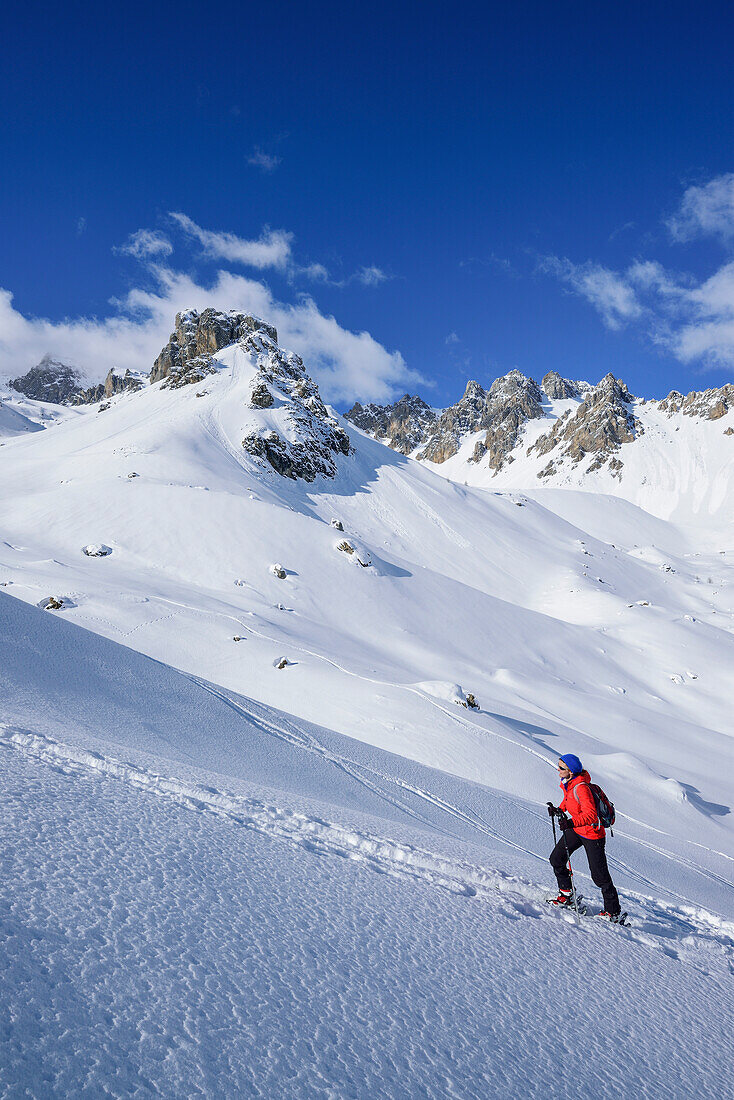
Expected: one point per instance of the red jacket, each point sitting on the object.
(578, 802)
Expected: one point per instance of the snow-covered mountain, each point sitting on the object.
(318, 608)
(674, 457)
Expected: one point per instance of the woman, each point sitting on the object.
(581, 827)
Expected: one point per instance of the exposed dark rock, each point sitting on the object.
(197, 337)
(60, 384)
(51, 380)
(261, 397)
(710, 404)
(112, 385)
(458, 420)
(600, 425)
(500, 411)
(403, 425)
(319, 438)
(558, 388)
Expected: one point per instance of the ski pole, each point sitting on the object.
(552, 816)
(570, 873)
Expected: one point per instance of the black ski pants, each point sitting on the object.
(597, 865)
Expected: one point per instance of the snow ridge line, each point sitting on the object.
(680, 932)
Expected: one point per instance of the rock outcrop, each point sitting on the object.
(710, 404)
(500, 412)
(112, 385)
(404, 425)
(314, 437)
(600, 425)
(187, 357)
(458, 420)
(51, 380)
(60, 384)
(558, 388)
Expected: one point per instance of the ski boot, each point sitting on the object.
(564, 900)
(613, 918)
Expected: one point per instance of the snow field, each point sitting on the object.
(173, 952)
(328, 879)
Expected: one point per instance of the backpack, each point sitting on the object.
(604, 808)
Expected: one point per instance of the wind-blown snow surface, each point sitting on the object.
(580, 623)
(202, 896)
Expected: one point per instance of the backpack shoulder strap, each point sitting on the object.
(583, 783)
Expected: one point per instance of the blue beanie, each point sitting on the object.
(572, 763)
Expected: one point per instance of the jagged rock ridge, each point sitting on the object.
(50, 380)
(559, 389)
(197, 337)
(112, 385)
(711, 404)
(601, 424)
(500, 412)
(59, 384)
(315, 437)
(402, 425)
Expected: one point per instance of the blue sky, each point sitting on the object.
(470, 187)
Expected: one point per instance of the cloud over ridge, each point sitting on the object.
(347, 365)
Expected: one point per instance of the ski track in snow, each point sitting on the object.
(688, 933)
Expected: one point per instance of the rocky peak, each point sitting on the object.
(453, 423)
(112, 385)
(311, 437)
(60, 384)
(187, 357)
(500, 412)
(560, 389)
(710, 404)
(599, 427)
(403, 425)
(50, 380)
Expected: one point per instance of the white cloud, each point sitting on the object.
(347, 365)
(271, 249)
(371, 276)
(607, 291)
(81, 226)
(264, 161)
(146, 243)
(693, 320)
(452, 338)
(706, 211)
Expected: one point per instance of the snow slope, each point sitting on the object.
(607, 633)
(327, 879)
(204, 896)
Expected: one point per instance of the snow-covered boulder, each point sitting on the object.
(97, 550)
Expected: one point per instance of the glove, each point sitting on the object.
(553, 811)
(566, 823)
